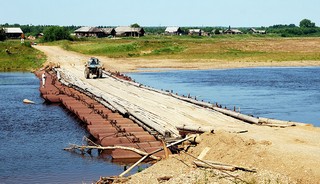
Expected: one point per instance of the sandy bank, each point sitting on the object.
(133, 65)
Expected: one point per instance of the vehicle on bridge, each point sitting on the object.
(93, 67)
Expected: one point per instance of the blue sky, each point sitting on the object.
(235, 13)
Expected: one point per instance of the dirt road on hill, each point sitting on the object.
(288, 155)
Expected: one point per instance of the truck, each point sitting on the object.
(93, 67)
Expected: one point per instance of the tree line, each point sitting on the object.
(306, 28)
(51, 33)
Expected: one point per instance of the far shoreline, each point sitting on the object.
(150, 70)
(163, 65)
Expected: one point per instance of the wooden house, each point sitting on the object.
(232, 31)
(89, 32)
(126, 31)
(40, 35)
(173, 31)
(109, 32)
(195, 32)
(13, 32)
(254, 31)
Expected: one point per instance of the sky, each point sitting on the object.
(234, 13)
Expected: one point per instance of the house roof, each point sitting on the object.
(257, 31)
(253, 29)
(195, 30)
(233, 30)
(107, 30)
(88, 30)
(13, 30)
(123, 29)
(172, 29)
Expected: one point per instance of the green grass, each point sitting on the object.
(222, 47)
(22, 58)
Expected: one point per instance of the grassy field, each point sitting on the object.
(238, 48)
(22, 57)
(224, 48)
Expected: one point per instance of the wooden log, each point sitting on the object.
(237, 115)
(275, 125)
(190, 100)
(166, 151)
(220, 166)
(156, 151)
(194, 128)
(121, 80)
(150, 122)
(72, 147)
(280, 122)
(204, 153)
(206, 164)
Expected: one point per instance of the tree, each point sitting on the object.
(2, 34)
(216, 31)
(136, 25)
(56, 33)
(306, 23)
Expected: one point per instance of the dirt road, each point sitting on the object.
(292, 152)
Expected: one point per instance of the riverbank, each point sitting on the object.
(15, 56)
(157, 65)
(184, 52)
(286, 155)
(274, 162)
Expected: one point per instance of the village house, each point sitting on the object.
(232, 31)
(109, 32)
(173, 31)
(126, 31)
(195, 32)
(31, 37)
(254, 31)
(13, 32)
(40, 35)
(89, 32)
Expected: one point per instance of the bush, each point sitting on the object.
(2, 34)
(56, 33)
(27, 44)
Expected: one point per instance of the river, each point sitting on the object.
(33, 137)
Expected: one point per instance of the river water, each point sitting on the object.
(33, 137)
(282, 93)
